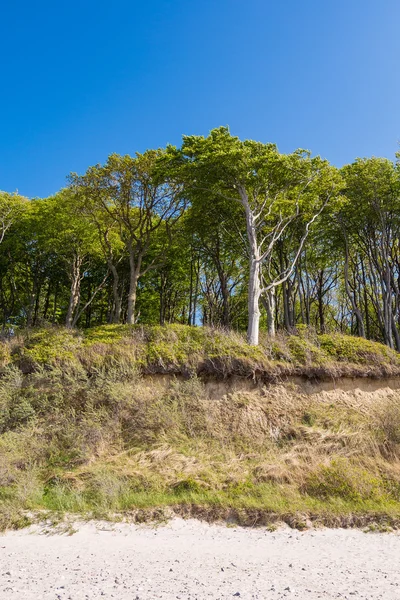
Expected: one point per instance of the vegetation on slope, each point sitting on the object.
(84, 429)
(184, 350)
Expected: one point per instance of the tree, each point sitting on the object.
(137, 195)
(274, 191)
(370, 225)
(59, 228)
(212, 226)
(12, 207)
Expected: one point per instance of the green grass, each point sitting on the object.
(183, 349)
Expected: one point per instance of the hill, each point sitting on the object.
(145, 421)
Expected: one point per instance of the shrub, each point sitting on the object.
(50, 346)
(341, 479)
(388, 419)
(357, 350)
(5, 354)
(184, 486)
(305, 352)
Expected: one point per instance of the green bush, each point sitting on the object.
(305, 352)
(5, 354)
(357, 350)
(341, 479)
(50, 346)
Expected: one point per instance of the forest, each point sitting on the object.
(128, 388)
(219, 232)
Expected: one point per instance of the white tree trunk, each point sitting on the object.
(133, 283)
(270, 306)
(254, 302)
(116, 310)
(130, 318)
(75, 293)
(258, 257)
(254, 292)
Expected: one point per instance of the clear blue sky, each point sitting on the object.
(80, 80)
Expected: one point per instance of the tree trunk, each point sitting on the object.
(387, 308)
(254, 291)
(355, 309)
(163, 278)
(47, 301)
(190, 317)
(225, 299)
(133, 282)
(395, 333)
(366, 309)
(254, 302)
(75, 289)
(116, 311)
(53, 320)
(285, 291)
(269, 303)
(320, 297)
(196, 291)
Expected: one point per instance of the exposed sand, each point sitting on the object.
(189, 559)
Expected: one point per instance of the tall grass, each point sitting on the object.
(84, 429)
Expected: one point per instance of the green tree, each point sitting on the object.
(370, 226)
(273, 189)
(139, 197)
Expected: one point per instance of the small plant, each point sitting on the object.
(341, 479)
(357, 350)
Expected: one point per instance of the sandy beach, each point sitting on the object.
(193, 560)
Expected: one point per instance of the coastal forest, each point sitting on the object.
(220, 232)
(207, 331)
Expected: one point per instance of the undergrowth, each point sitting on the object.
(84, 429)
(179, 349)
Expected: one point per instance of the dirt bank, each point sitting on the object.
(216, 387)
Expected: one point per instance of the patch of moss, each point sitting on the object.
(172, 345)
(106, 334)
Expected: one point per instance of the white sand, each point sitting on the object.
(192, 560)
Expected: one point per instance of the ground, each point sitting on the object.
(191, 560)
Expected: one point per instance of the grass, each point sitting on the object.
(84, 429)
(179, 349)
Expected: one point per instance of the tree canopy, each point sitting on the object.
(219, 231)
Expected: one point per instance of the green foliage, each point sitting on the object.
(162, 237)
(12, 207)
(50, 346)
(173, 345)
(357, 350)
(184, 349)
(341, 479)
(305, 351)
(5, 355)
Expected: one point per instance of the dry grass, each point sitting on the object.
(92, 434)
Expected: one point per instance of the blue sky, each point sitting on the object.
(80, 80)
